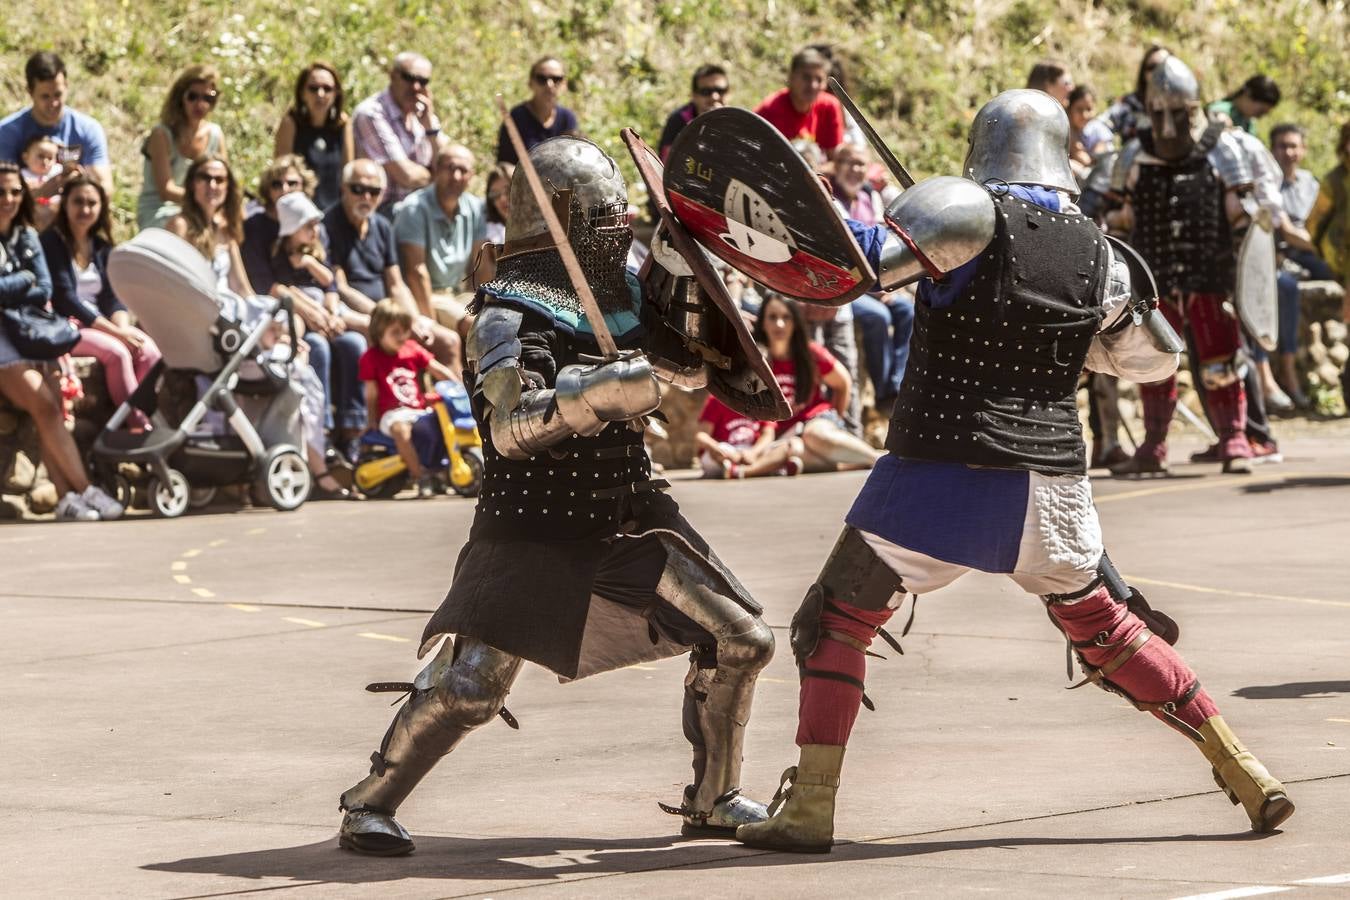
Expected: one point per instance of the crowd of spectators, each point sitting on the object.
(368, 223)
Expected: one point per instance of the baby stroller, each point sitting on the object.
(204, 335)
(447, 444)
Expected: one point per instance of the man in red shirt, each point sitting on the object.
(804, 110)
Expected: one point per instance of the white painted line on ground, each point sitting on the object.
(1234, 893)
(242, 607)
(183, 579)
(203, 592)
(376, 636)
(298, 621)
(178, 566)
(188, 554)
(1326, 879)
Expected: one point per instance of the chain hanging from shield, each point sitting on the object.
(1256, 296)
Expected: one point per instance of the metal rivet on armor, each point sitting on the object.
(569, 512)
(520, 510)
(546, 512)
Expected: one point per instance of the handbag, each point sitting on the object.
(38, 333)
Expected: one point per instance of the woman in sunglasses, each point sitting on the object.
(287, 174)
(182, 135)
(540, 117)
(317, 129)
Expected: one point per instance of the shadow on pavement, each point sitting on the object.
(1312, 481)
(1294, 690)
(535, 859)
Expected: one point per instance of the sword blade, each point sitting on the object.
(603, 339)
(897, 168)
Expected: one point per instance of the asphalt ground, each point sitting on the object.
(181, 703)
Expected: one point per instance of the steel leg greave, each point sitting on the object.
(459, 690)
(721, 696)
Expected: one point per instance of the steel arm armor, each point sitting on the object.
(936, 226)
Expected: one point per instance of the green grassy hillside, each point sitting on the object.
(921, 67)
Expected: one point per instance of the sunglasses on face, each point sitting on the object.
(289, 183)
(714, 91)
(548, 79)
(415, 80)
(11, 192)
(456, 169)
(320, 89)
(363, 190)
(208, 99)
(213, 180)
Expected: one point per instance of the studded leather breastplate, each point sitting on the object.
(1181, 228)
(992, 378)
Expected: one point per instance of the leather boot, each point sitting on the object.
(805, 824)
(1243, 778)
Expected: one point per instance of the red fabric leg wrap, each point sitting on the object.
(1160, 403)
(1155, 674)
(827, 708)
(1217, 337)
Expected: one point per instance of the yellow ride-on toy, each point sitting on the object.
(446, 441)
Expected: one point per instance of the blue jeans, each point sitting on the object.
(334, 361)
(1287, 284)
(885, 338)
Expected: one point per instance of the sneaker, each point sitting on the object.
(72, 508)
(98, 500)
(793, 466)
(1209, 455)
(1140, 464)
(426, 487)
(1266, 453)
(1278, 402)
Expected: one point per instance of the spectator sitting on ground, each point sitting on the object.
(802, 368)
(285, 175)
(299, 274)
(440, 230)
(39, 168)
(364, 256)
(885, 320)
(391, 370)
(183, 134)
(1051, 76)
(708, 89)
(317, 130)
(1128, 116)
(83, 145)
(497, 192)
(77, 247)
(398, 129)
(540, 117)
(1087, 136)
(804, 110)
(732, 445)
(1257, 96)
(32, 385)
(1298, 190)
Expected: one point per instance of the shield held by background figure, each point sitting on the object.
(707, 334)
(1256, 295)
(741, 191)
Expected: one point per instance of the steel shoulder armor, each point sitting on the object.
(936, 226)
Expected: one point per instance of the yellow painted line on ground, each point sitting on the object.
(1206, 484)
(298, 621)
(242, 607)
(218, 542)
(203, 592)
(188, 554)
(255, 531)
(183, 579)
(376, 636)
(1255, 595)
(1342, 721)
(643, 668)
(178, 566)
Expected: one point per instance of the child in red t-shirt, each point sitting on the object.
(391, 369)
(732, 445)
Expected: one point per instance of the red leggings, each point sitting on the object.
(1155, 674)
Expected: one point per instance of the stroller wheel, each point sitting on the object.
(473, 458)
(285, 479)
(201, 497)
(170, 499)
(122, 490)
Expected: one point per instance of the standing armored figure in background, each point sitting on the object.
(987, 468)
(1185, 181)
(576, 559)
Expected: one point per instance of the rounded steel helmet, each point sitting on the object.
(1171, 85)
(579, 175)
(1021, 137)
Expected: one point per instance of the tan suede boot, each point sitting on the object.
(805, 824)
(1243, 778)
